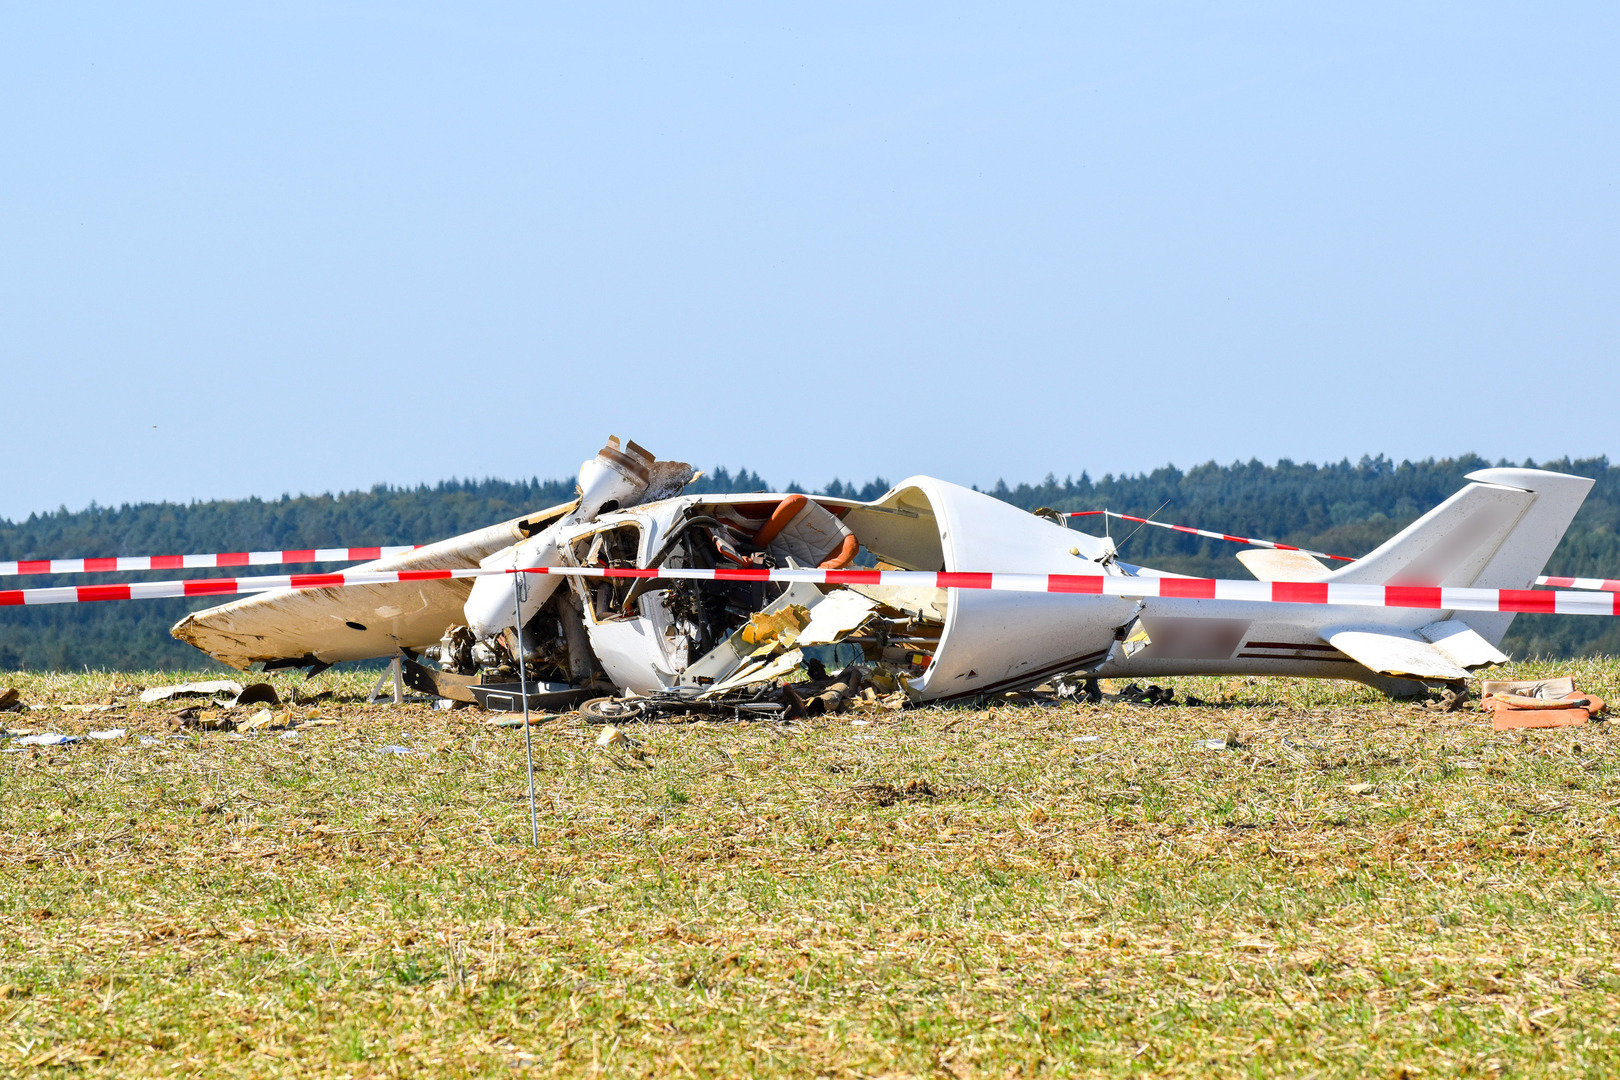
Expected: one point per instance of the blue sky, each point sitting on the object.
(286, 247)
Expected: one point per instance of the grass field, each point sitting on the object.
(1356, 887)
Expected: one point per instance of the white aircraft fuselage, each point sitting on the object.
(1497, 532)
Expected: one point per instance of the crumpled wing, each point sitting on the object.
(355, 622)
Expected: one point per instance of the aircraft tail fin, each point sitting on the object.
(1496, 533)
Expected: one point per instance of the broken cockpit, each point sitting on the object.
(706, 639)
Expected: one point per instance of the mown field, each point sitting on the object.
(1350, 887)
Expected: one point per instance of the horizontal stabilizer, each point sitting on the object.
(1269, 564)
(1461, 644)
(1389, 650)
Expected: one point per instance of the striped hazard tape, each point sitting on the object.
(1190, 531)
(193, 562)
(214, 560)
(1603, 584)
(1275, 592)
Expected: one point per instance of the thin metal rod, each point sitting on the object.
(1146, 521)
(520, 591)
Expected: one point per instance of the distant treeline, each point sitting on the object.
(1344, 508)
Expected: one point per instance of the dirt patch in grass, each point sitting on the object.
(1348, 886)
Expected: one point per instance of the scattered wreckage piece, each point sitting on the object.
(820, 694)
(682, 642)
(261, 693)
(48, 738)
(191, 689)
(1152, 695)
(497, 691)
(675, 707)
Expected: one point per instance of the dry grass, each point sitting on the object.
(1358, 887)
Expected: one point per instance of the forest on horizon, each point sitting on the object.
(1342, 508)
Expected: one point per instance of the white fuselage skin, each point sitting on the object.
(997, 641)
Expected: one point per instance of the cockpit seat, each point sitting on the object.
(811, 535)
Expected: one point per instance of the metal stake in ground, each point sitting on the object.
(520, 593)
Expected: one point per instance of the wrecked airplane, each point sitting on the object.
(748, 644)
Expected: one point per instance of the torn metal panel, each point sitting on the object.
(764, 671)
(733, 653)
(192, 689)
(841, 613)
(631, 654)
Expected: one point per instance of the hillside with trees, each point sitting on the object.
(1344, 508)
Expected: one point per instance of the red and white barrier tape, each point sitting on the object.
(1212, 535)
(1276, 592)
(1603, 584)
(366, 554)
(190, 562)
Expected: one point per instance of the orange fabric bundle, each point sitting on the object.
(1506, 716)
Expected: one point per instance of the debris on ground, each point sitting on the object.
(1070, 687)
(193, 689)
(508, 721)
(612, 736)
(257, 694)
(614, 739)
(264, 719)
(195, 716)
(111, 733)
(1153, 695)
(49, 738)
(1230, 742)
(1448, 699)
(1537, 703)
(9, 699)
(231, 693)
(884, 793)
